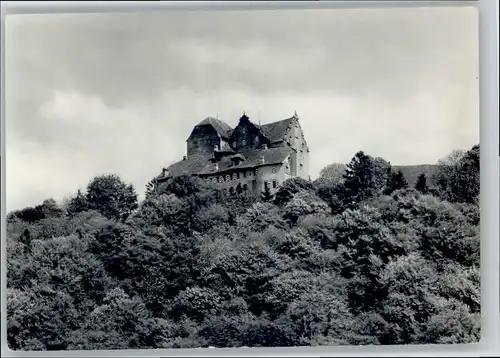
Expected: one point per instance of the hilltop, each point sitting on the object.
(368, 260)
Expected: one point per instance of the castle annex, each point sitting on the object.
(248, 157)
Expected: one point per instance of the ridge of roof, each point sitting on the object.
(275, 131)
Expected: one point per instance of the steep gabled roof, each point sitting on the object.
(221, 127)
(276, 131)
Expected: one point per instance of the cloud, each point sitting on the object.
(88, 94)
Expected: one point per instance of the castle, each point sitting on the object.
(248, 157)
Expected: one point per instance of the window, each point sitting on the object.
(266, 185)
(274, 169)
(245, 187)
(234, 144)
(228, 177)
(301, 167)
(249, 174)
(244, 142)
(257, 139)
(275, 184)
(235, 176)
(231, 190)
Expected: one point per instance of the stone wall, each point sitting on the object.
(254, 179)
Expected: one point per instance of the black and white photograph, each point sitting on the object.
(229, 178)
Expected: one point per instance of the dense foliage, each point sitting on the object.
(357, 257)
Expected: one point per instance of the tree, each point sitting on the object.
(421, 184)
(77, 204)
(362, 176)
(110, 196)
(122, 322)
(464, 186)
(457, 176)
(50, 209)
(150, 188)
(28, 214)
(266, 194)
(290, 187)
(445, 171)
(332, 174)
(396, 181)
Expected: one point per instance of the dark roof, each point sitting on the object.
(201, 164)
(253, 159)
(221, 127)
(190, 165)
(276, 131)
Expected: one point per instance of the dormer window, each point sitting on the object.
(237, 159)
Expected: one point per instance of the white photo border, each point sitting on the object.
(489, 140)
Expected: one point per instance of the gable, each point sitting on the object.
(222, 128)
(247, 135)
(276, 131)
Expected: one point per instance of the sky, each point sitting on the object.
(120, 93)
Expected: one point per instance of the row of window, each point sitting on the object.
(244, 142)
(229, 177)
(244, 187)
(238, 189)
(221, 179)
(236, 176)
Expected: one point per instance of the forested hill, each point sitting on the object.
(358, 256)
